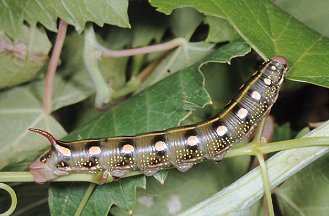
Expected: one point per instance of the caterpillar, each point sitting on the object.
(180, 147)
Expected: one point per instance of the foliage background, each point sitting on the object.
(216, 31)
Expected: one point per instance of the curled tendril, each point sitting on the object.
(13, 199)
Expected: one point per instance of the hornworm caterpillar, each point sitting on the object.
(181, 147)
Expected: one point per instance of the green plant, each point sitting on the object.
(141, 92)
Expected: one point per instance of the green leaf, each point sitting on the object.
(74, 12)
(159, 107)
(180, 58)
(64, 198)
(20, 110)
(220, 30)
(21, 61)
(11, 16)
(269, 31)
(303, 10)
(184, 21)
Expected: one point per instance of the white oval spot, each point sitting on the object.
(128, 149)
(64, 151)
(94, 150)
(273, 67)
(242, 113)
(221, 130)
(255, 95)
(267, 81)
(160, 146)
(192, 140)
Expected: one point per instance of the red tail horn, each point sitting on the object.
(50, 137)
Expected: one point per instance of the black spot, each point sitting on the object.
(44, 158)
(93, 143)
(125, 141)
(216, 124)
(158, 138)
(191, 132)
(62, 164)
(89, 164)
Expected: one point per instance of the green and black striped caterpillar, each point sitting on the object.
(181, 147)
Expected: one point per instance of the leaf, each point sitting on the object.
(184, 21)
(269, 31)
(21, 61)
(64, 198)
(166, 102)
(20, 110)
(74, 12)
(146, 24)
(303, 10)
(180, 58)
(219, 30)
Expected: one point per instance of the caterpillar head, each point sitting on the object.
(49, 165)
(277, 69)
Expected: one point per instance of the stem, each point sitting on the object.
(278, 146)
(90, 58)
(13, 197)
(143, 50)
(85, 199)
(51, 70)
(266, 183)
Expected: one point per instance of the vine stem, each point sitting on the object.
(143, 50)
(13, 197)
(52, 66)
(85, 199)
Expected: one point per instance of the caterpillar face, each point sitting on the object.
(180, 147)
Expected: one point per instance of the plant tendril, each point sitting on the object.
(13, 197)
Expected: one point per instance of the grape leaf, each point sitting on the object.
(20, 110)
(303, 10)
(22, 60)
(74, 12)
(220, 30)
(269, 31)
